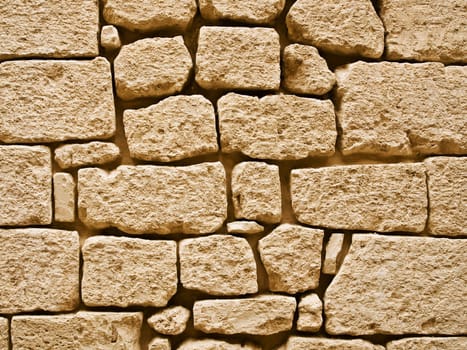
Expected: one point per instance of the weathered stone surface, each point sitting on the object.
(428, 343)
(83, 330)
(39, 270)
(333, 250)
(4, 334)
(110, 39)
(159, 344)
(64, 197)
(291, 255)
(59, 28)
(152, 67)
(238, 58)
(379, 197)
(121, 271)
(56, 100)
(25, 186)
(211, 344)
(218, 265)
(425, 31)
(348, 28)
(154, 199)
(261, 315)
(310, 310)
(256, 192)
(447, 182)
(244, 227)
(393, 108)
(399, 285)
(305, 71)
(170, 321)
(303, 343)
(177, 127)
(279, 127)
(85, 154)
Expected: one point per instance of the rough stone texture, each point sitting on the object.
(85, 154)
(83, 330)
(154, 199)
(39, 270)
(210, 344)
(25, 186)
(238, 58)
(333, 251)
(159, 344)
(447, 184)
(282, 127)
(291, 255)
(261, 315)
(348, 28)
(390, 108)
(56, 100)
(152, 67)
(434, 30)
(428, 343)
(310, 310)
(302, 343)
(64, 197)
(4, 334)
(399, 285)
(244, 227)
(170, 321)
(110, 39)
(218, 265)
(120, 271)
(59, 28)
(305, 71)
(379, 197)
(177, 127)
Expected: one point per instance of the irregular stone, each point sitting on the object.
(428, 343)
(177, 127)
(4, 334)
(302, 343)
(159, 344)
(244, 227)
(39, 270)
(25, 186)
(332, 258)
(350, 28)
(399, 109)
(379, 197)
(238, 58)
(210, 344)
(256, 192)
(281, 127)
(121, 271)
(170, 321)
(56, 100)
(291, 255)
(218, 265)
(261, 315)
(154, 199)
(310, 310)
(58, 29)
(110, 39)
(399, 285)
(152, 67)
(64, 197)
(85, 154)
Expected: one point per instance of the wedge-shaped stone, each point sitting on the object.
(310, 310)
(302, 343)
(85, 154)
(64, 197)
(4, 334)
(399, 285)
(334, 254)
(428, 343)
(159, 344)
(170, 321)
(244, 227)
(379, 197)
(211, 344)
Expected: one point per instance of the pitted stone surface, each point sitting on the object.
(399, 285)
(302, 343)
(64, 197)
(159, 344)
(244, 227)
(170, 321)
(310, 309)
(282, 127)
(177, 127)
(428, 343)
(4, 334)
(110, 38)
(154, 199)
(85, 154)
(211, 344)
(333, 251)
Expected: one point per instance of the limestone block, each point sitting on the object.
(152, 67)
(39, 270)
(175, 128)
(428, 343)
(159, 344)
(85, 154)
(399, 285)
(310, 309)
(211, 344)
(64, 197)
(282, 127)
(261, 315)
(351, 27)
(170, 321)
(238, 58)
(154, 199)
(303, 343)
(244, 227)
(291, 255)
(333, 251)
(110, 38)
(256, 192)
(25, 186)
(379, 197)
(121, 271)
(4, 334)
(56, 100)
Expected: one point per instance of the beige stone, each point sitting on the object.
(390, 108)
(244, 227)
(303, 343)
(39, 270)
(238, 58)
(25, 186)
(83, 330)
(152, 67)
(261, 315)
(291, 255)
(110, 38)
(310, 310)
(121, 271)
(281, 127)
(177, 127)
(379, 197)
(154, 199)
(428, 343)
(56, 100)
(159, 344)
(170, 321)
(37, 28)
(64, 197)
(211, 344)
(333, 257)
(347, 28)
(4, 334)
(86, 154)
(218, 265)
(399, 285)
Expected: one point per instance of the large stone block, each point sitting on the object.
(428, 343)
(302, 343)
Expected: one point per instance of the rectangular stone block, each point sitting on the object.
(303, 343)
(4, 334)
(64, 197)
(86, 154)
(428, 343)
